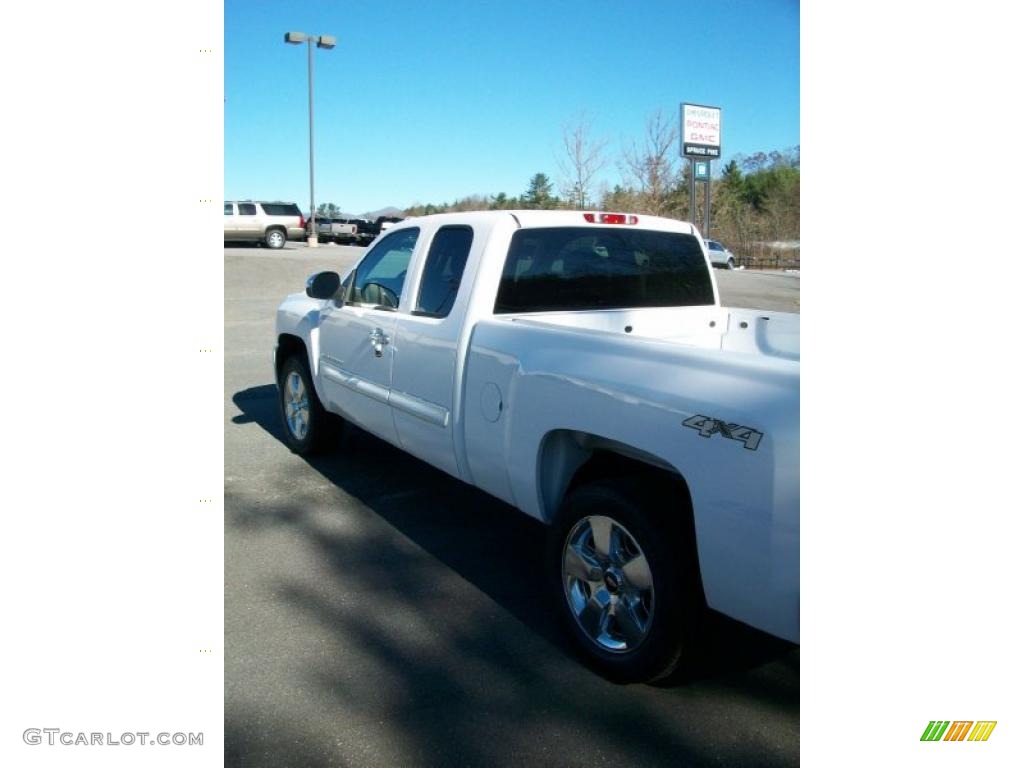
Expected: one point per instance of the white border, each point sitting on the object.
(113, 568)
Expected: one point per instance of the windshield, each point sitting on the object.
(583, 268)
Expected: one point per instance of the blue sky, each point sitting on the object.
(427, 102)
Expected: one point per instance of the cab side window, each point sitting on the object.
(246, 209)
(442, 273)
(380, 276)
(228, 209)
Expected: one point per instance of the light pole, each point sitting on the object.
(322, 41)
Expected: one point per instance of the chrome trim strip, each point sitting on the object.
(421, 409)
(339, 375)
(328, 360)
(429, 412)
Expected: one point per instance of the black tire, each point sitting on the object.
(659, 523)
(322, 429)
(275, 238)
(731, 264)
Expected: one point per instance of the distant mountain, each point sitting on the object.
(372, 215)
(389, 211)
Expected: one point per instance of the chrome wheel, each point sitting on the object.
(296, 406)
(608, 584)
(275, 239)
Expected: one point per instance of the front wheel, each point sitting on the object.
(731, 264)
(308, 427)
(623, 566)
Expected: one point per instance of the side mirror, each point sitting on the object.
(323, 285)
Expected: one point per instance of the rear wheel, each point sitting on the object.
(275, 239)
(623, 564)
(308, 427)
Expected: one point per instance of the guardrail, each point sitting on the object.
(766, 257)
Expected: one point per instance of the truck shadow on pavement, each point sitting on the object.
(449, 687)
(460, 524)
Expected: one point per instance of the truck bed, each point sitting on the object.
(771, 334)
(710, 392)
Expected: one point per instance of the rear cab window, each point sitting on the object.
(442, 272)
(577, 268)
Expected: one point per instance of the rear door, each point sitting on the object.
(356, 338)
(427, 350)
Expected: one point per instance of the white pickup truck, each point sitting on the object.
(580, 367)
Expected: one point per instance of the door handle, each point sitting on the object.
(377, 340)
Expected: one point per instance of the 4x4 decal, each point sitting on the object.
(708, 426)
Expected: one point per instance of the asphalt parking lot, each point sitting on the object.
(379, 612)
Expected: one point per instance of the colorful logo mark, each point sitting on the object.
(958, 730)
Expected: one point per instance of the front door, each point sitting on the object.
(356, 338)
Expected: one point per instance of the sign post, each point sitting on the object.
(700, 139)
(693, 190)
(707, 207)
(702, 173)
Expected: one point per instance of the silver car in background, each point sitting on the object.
(720, 255)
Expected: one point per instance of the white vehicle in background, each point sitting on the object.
(720, 255)
(387, 222)
(580, 367)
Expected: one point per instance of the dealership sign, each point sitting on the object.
(701, 133)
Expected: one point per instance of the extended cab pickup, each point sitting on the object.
(580, 367)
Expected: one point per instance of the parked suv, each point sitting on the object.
(270, 223)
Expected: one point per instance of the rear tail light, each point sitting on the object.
(610, 218)
(302, 221)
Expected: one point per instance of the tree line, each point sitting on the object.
(755, 199)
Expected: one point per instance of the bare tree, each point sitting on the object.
(651, 166)
(583, 160)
